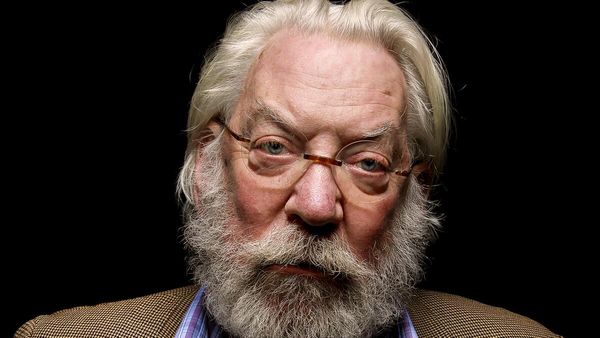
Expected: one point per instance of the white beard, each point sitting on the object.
(357, 299)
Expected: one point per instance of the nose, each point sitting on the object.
(316, 198)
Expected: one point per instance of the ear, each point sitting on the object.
(423, 171)
(202, 138)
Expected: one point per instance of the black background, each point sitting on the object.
(93, 141)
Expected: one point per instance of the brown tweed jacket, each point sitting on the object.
(434, 314)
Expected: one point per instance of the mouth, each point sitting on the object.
(299, 269)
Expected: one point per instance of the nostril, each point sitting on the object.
(321, 230)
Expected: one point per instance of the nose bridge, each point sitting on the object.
(318, 177)
(317, 193)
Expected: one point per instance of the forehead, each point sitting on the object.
(325, 84)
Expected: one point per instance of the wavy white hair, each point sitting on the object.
(377, 21)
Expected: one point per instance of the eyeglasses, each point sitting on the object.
(365, 171)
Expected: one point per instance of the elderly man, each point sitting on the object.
(315, 132)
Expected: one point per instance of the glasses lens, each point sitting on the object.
(366, 175)
(273, 156)
(275, 159)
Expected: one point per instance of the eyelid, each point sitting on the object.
(277, 129)
(381, 159)
(289, 147)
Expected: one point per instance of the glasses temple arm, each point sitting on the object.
(231, 132)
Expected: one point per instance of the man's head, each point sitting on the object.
(308, 128)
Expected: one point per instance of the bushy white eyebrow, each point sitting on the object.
(383, 130)
(263, 112)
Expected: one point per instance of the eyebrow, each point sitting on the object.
(381, 131)
(262, 112)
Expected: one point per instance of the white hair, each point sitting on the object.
(378, 21)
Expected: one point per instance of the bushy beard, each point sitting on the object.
(354, 299)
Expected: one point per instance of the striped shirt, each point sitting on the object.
(198, 324)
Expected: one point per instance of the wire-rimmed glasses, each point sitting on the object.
(365, 171)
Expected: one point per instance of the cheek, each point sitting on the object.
(257, 208)
(366, 224)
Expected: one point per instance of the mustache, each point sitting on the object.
(287, 245)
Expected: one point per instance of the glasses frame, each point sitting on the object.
(310, 157)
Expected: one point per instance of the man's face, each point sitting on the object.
(308, 258)
(333, 93)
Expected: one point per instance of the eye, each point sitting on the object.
(367, 163)
(272, 147)
(370, 164)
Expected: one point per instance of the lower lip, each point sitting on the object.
(296, 270)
